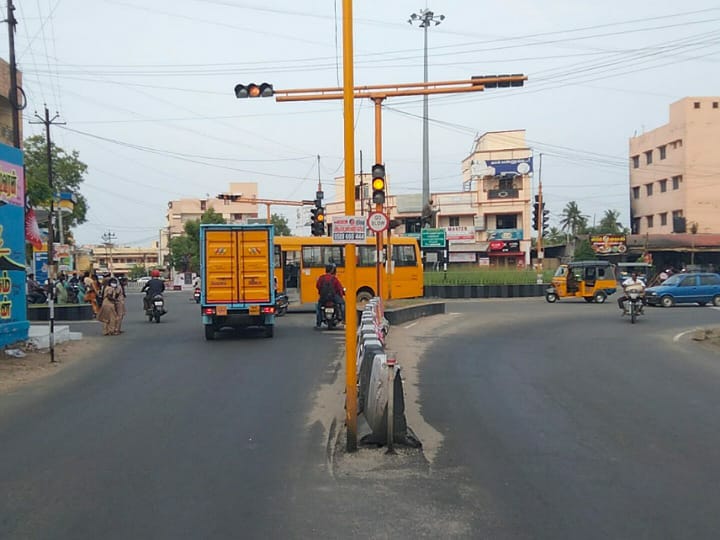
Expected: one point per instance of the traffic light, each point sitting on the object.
(317, 221)
(536, 214)
(254, 90)
(545, 220)
(499, 81)
(378, 183)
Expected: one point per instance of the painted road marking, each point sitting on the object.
(410, 325)
(681, 334)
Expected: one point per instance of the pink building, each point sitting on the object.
(675, 171)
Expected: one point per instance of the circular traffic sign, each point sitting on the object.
(377, 222)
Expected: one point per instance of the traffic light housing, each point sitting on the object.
(317, 221)
(536, 214)
(545, 220)
(378, 183)
(254, 90)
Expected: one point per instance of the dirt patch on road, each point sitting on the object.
(35, 365)
(708, 337)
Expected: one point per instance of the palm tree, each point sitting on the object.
(609, 222)
(554, 236)
(572, 219)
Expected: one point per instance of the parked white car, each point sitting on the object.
(143, 280)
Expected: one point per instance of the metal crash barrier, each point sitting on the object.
(381, 400)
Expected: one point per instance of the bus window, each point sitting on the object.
(404, 256)
(277, 260)
(367, 256)
(319, 256)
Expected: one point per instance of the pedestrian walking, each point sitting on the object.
(91, 291)
(108, 313)
(120, 306)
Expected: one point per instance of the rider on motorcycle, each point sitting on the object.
(151, 288)
(633, 281)
(329, 289)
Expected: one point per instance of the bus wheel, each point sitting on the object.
(364, 296)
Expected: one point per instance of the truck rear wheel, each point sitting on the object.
(209, 332)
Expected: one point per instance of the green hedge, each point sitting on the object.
(485, 277)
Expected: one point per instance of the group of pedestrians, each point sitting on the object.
(112, 309)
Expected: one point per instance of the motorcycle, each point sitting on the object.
(281, 303)
(633, 305)
(196, 295)
(330, 314)
(156, 308)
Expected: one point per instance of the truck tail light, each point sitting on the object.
(268, 309)
(208, 311)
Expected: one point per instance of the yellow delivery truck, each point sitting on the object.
(236, 268)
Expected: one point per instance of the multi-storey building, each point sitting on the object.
(120, 259)
(486, 223)
(6, 123)
(183, 210)
(675, 171)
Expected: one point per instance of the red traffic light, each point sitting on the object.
(254, 90)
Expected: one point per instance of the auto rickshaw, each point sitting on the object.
(592, 280)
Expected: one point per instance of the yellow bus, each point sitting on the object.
(300, 260)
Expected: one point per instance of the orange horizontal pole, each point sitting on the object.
(383, 95)
(273, 201)
(478, 80)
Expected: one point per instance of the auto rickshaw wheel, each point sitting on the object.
(551, 297)
(588, 299)
(600, 297)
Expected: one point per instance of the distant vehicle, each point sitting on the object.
(643, 270)
(143, 281)
(591, 280)
(699, 288)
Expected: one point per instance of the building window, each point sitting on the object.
(454, 221)
(715, 104)
(636, 192)
(636, 225)
(697, 104)
(648, 157)
(677, 213)
(506, 221)
(203, 205)
(636, 161)
(648, 189)
(663, 219)
(505, 183)
(676, 181)
(663, 151)
(663, 185)
(650, 222)
(676, 144)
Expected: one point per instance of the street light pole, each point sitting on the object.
(425, 18)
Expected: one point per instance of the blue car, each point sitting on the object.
(690, 288)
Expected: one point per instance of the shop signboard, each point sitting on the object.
(460, 234)
(13, 319)
(505, 234)
(608, 244)
(504, 246)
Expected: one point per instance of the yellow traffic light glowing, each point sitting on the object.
(378, 183)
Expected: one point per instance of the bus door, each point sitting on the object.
(291, 272)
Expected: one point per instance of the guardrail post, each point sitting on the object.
(391, 362)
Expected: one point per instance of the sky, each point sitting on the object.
(146, 93)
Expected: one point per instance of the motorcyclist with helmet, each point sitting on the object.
(153, 287)
(329, 289)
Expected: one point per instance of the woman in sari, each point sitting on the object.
(108, 314)
(91, 292)
(121, 305)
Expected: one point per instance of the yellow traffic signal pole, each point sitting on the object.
(379, 207)
(351, 403)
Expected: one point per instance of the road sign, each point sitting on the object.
(349, 229)
(432, 238)
(377, 222)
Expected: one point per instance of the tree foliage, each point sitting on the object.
(554, 237)
(185, 249)
(573, 221)
(281, 225)
(68, 175)
(584, 252)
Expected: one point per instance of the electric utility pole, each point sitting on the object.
(47, 122)
(108, 239)
(13, 93)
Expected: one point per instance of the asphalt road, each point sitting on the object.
(553, 421)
